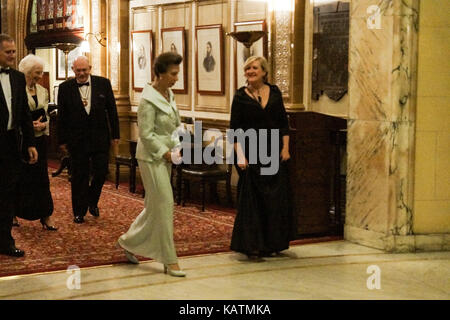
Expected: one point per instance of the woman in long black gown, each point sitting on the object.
(35, 198)
(264, 223)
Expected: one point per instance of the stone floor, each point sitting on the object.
(325, 271)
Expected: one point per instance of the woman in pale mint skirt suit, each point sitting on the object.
(151, 234)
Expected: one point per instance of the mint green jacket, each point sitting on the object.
(157, 120)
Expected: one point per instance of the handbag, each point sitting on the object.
(36, 114)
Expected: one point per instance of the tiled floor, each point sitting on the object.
(328, 270)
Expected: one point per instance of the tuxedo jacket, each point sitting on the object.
(82, 132)
(22, 125)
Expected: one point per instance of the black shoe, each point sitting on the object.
(46, 226)
(266, 254)
(78, 219)
(12, 251)
(94, 211)
(15, 223)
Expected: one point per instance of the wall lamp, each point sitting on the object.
(247, 37)
(99, 36)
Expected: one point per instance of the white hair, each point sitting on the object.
(80, 58)
(28, 63)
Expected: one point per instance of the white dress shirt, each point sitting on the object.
(85, 93)
(6, 86)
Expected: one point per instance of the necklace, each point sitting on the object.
(84, 93)
(164, 93)
(259, 99)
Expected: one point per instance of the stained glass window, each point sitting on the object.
(49, 15)
(33, 18)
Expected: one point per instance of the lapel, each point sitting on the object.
(3, 109)
(78, 104)
(2, 98)
(152, 95)
(41, 97)
(31, 102)
(14, 88)
(94, 91)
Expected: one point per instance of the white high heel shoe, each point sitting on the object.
(174, 273)
(128, 254)
(131, 257)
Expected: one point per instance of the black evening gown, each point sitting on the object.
(265, 222)
(35, 198)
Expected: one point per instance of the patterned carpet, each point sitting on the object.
(92, 243)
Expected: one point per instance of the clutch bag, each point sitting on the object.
(36, 114)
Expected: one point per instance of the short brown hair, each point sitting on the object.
(164, 60)
(5, 37)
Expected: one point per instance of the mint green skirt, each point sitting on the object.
(151, 234)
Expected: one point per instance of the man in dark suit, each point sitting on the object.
(16, 134)
(87, 122)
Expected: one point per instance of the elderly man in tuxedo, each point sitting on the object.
(87, 122)
(16, 135)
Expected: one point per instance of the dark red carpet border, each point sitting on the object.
(93, 243)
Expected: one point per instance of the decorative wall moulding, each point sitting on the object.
(210, 61)
(173, 39)
(142, 58)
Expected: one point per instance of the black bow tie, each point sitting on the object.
(2, 70)
(82, 84)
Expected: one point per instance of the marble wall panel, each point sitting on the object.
(368, 174)
(387, 7)
(379, 186)
(382, 86)
(404, 68)
(401, 178)
(370, 70)
(383, 62)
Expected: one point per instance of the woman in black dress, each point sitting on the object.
(264, 223)
(35, 198)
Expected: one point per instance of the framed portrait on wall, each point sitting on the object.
(242, 53)
(61, 63)
(173, 39)
(209, 66)
(142, 58)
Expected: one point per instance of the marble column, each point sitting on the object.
(382, 90)
(118, 68)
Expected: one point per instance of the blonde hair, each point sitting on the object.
(28, 63)
(262, 62)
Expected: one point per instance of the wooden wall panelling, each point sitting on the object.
(312, 169)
